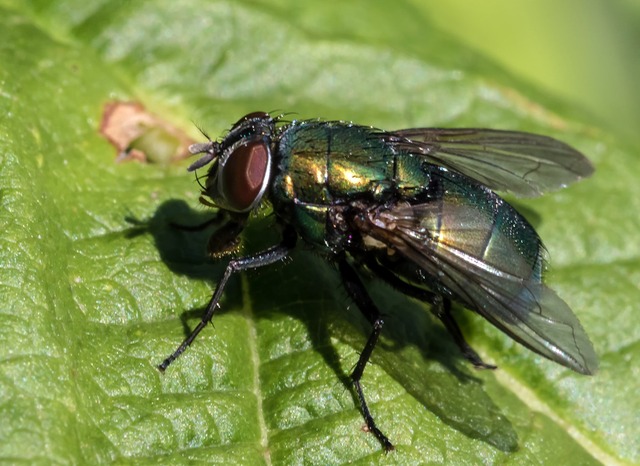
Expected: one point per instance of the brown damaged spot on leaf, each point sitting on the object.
(139, 135)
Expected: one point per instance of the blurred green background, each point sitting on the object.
(585, 51)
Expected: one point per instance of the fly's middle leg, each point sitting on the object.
(358, 293)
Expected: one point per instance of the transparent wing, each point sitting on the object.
(521, 163)
(484, 268)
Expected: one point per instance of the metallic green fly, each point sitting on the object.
(417, 208)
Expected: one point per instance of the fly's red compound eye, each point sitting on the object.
(245, 175)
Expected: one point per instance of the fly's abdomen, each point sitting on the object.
(475, 223)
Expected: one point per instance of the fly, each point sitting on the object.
(417, 208)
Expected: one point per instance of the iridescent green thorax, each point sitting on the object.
(321, 162)
(323, 165)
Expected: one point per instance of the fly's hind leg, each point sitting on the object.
(442, 310)
(440, 307)
(358, 293)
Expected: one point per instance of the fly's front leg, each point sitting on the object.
(358, 293)
(270, 256)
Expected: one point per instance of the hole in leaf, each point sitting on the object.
(142, 136)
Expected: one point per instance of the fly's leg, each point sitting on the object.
(440, 307)
(442, 310)
(270, 256)
(358, 293)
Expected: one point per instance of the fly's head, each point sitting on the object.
(240, 164)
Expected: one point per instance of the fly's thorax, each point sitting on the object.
(327, 163)
(321, 167)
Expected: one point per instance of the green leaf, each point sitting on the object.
(91, 301)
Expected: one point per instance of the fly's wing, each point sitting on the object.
(521, 163)
(477, 257)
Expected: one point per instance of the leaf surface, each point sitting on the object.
(92, 302)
